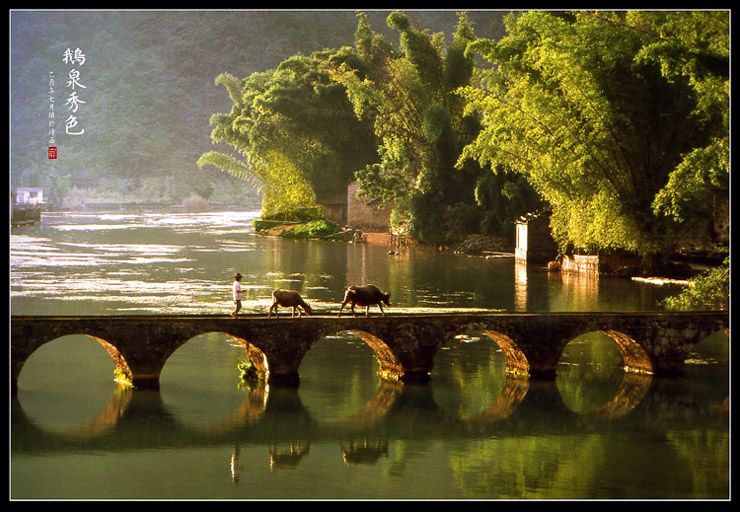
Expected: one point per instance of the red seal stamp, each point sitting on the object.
(52, 153)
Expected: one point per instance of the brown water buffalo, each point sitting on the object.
(288, 299)
(368, 295)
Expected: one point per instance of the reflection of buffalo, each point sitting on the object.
(290, 459)
(364, 453)
(288, 299)
(368, 295)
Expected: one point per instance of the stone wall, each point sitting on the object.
(597, 264)
(364, 215)
(580, 264)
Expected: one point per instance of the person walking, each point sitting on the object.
(236, 291)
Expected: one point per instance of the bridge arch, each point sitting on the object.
(491, 362)
(253, 365)
(363, 401)
(515, 360)
(200, 383)
(636, 359)
(391, 367)
(121, 373)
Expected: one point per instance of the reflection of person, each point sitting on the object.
(237, 293)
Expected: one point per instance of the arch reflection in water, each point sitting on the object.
(372, 417)
(477, 366)
(51, 399)
(339, 376)
(595, 379)
(200, 384)
(103, 424)
(225, 406)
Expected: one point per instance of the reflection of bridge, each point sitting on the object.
(276, 417)
(532, 343)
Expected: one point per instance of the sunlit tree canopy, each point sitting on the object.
(294, 133)
(605, 115)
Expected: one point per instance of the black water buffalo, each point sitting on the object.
(368, 295)
(288, 299)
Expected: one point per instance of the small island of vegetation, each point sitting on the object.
(300, 223)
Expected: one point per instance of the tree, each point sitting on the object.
(59, 185)
(297, 131)
(575, 103)
(709, 290)
(411, 97)
(694, 46)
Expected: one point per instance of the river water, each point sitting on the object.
(342, 434)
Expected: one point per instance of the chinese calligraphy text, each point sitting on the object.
(74, 101)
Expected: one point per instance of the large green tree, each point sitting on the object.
(411, 97)
(294, 131)
(694, 46)
(581, 105)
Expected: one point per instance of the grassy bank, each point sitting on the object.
(299, 223)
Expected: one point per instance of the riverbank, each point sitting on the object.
(24, 214)
(682, 269)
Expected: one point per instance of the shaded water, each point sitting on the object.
(342, 434)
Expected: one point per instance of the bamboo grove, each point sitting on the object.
(617, 122)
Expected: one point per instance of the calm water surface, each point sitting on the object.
(472, 433)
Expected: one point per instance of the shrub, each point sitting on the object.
(313, 229)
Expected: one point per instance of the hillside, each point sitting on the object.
(149, 88)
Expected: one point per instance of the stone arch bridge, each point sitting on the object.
(405, 344)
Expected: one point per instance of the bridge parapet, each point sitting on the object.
(406, 344)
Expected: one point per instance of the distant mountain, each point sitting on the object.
(149, 82)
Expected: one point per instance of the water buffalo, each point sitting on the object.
(288, 299)
(368, 295)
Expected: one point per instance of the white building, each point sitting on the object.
(29, 195)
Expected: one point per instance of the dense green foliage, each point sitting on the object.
(710, 290)
(296, 130)
(618, 122)
(694, 46)
(411, 97)
(303, 131)
(618, 119)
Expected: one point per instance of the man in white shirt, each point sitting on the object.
(237, 293)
